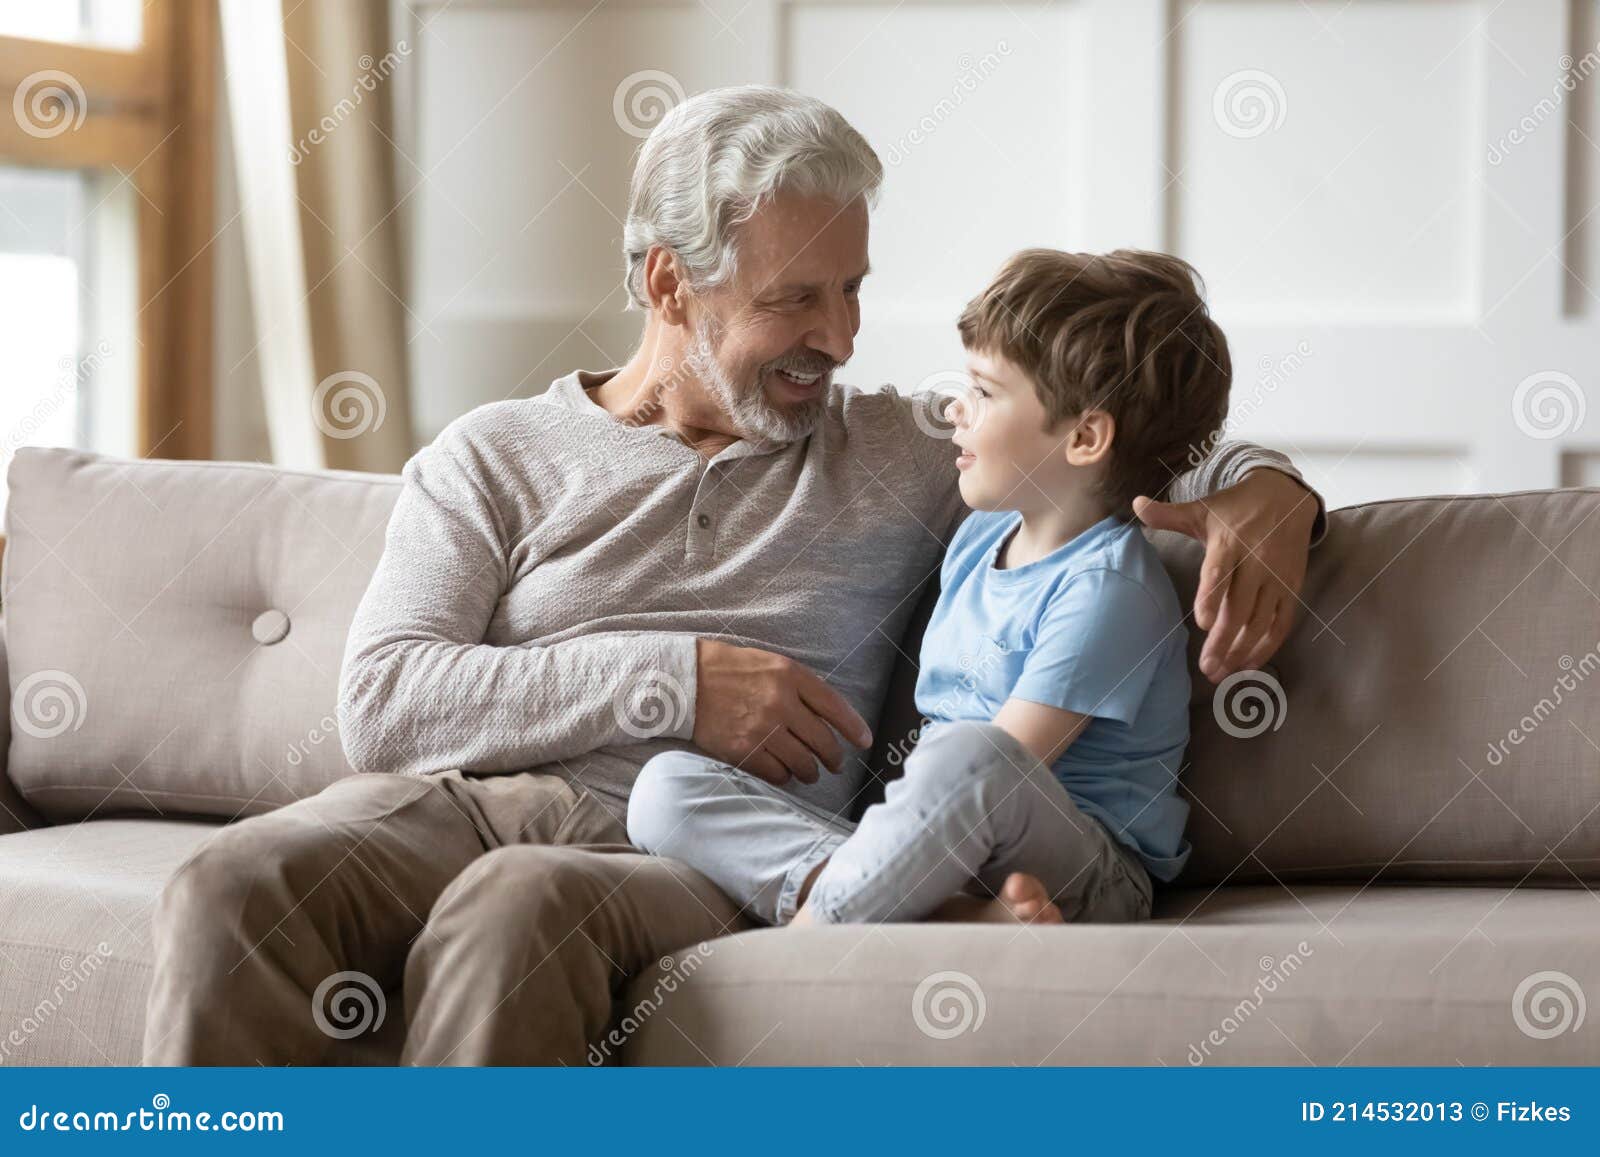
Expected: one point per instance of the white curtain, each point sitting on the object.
(310, 104)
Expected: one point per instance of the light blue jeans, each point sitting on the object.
(973, 806)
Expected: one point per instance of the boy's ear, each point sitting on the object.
(1090, 441)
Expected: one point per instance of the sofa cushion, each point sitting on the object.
(1263, 975)
(1435, 714)
(15, 814)
(76, 901)
(75, 905)
(175, 629)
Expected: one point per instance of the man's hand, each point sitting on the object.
(769, 715)
(1257, 534)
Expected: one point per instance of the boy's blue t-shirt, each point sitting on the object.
(1094, 627)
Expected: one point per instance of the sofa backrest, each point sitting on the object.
(175, 632)
(1434, 716)
(174, 629)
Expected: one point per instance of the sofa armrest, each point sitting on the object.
(15, 814)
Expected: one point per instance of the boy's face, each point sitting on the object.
(1008, 461)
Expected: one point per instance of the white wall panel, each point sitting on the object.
(1405, 260)
(1582, 107)
(1345, 477)
(969, 107)
(1322, 169)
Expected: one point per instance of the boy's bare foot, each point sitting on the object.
(1022, 900)
(1028, 902)
(803, 918)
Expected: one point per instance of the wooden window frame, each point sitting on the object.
(150, 117)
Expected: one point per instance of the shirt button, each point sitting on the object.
(703, 521)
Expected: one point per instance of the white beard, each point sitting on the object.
(748, 409)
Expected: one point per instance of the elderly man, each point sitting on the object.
(715, 546)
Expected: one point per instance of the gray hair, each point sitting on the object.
(714, 160)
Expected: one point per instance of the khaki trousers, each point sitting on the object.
(509, 909)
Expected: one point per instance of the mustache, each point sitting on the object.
(804, 363)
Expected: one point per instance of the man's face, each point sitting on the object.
(766, 344)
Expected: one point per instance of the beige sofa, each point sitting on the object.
(1391, 860)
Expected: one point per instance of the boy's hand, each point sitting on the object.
(769, 715)
(1257, 534)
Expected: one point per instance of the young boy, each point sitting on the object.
(1053, 677)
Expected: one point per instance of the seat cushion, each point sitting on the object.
(75, 905)
(1323, 974)
(175, 630)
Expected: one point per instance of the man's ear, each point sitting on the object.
(1089, 441)
(665, 286)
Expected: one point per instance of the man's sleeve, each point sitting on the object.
(1228, 463)
(420, 691)
(1096, 648)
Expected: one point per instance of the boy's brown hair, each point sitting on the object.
(1126, 332)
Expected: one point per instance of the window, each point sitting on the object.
(105, 223)
(108, 23)
(68, 270)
